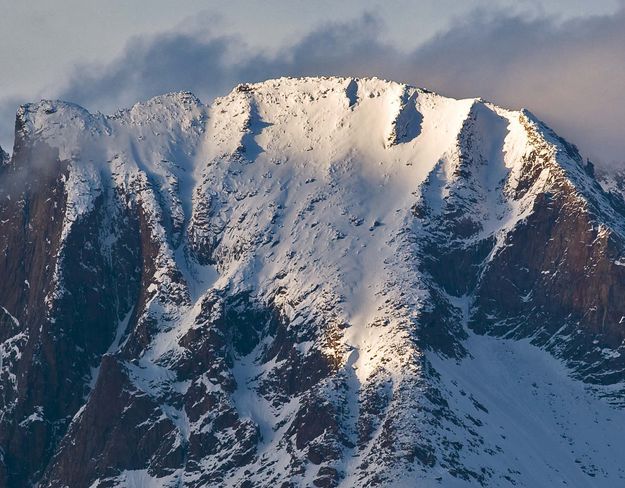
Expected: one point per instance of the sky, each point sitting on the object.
(562, 59)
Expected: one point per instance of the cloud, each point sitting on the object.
(569, 73)
(8, 108)
(211, 65)
(150, 67)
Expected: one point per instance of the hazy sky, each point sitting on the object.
(562, 59)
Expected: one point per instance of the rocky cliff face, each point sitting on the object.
(311, 282)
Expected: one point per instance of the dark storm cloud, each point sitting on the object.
(571, 74)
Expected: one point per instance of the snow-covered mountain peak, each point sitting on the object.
(46, 118)
(317, 177)
(178, 108)
(337, 115)
(337, 158)
(285, 286)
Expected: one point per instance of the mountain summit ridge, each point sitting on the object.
(289, 285)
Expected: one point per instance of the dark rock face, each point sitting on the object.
(57, 339)
(178, 305)
(104, 441)
(558, 279)
(4, 157)
(555, 278)
(28, 246)
(561, 280)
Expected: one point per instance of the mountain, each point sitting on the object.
(310, 282)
